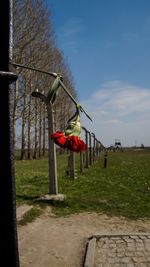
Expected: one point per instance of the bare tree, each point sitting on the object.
(29, 119)
(23, 139)
(34, 45)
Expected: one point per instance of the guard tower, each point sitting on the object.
(118, 145)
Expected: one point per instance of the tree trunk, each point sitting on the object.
(23, 156)
(15, 113)
(29, 122)
(44, 125)
(35, 131)
(40, 128)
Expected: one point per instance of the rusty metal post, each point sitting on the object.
(8, 225)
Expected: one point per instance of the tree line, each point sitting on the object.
(34, 44)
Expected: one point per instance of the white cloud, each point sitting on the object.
(119, 110)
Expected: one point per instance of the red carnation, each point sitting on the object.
(75, 144)
(59, 138)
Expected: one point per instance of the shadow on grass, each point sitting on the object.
(27, 199)
(39, 199)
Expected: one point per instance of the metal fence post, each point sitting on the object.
(8, 225)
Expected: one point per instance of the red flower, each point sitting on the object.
(73, 143)
(59, 138)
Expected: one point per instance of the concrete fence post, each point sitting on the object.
(87, 151)
(81, 161)
(53, 185)
(90, 149)
(96, 148)
(94, 142)
(72, 171)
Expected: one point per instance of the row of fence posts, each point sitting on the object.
(88, 157)
(9, 240)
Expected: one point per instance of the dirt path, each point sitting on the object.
(53, 242)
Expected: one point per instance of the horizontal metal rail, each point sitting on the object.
(34, 69)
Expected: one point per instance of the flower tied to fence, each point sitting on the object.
(70, 138)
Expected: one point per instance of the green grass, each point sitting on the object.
(31, 215)
(122, 189)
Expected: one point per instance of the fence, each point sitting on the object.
(9, 241)
(87, 158)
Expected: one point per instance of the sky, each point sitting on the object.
(106, 44)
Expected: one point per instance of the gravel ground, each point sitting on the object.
(52, 241)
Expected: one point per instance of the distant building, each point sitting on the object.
(118, 145)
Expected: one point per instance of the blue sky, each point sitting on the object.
(107, 46)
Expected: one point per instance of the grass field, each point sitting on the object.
(122, 189)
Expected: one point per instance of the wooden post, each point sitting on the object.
(52, 152)
(8, 225)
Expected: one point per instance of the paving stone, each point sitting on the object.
(123, 251)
